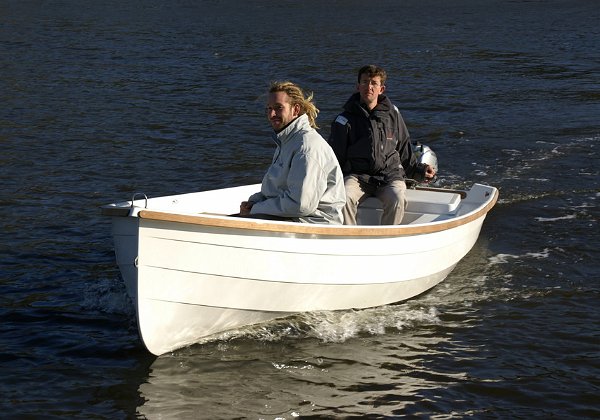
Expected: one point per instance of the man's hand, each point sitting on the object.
(245, 208)
(429, 173)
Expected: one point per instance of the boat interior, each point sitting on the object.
(421, 207)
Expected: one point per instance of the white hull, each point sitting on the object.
(192, 275)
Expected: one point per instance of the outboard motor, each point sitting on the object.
(424, 154)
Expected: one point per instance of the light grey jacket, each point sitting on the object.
(304, 181)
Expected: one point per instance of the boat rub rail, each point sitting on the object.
(304, 228)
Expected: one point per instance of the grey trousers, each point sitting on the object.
(392, 196)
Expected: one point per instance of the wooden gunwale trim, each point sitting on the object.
(313, 229)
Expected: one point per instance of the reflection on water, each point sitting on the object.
(289, 377)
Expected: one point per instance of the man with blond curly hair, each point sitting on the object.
(304, 182)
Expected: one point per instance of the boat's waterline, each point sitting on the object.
(167, 325)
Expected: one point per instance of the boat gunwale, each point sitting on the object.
(232, 222)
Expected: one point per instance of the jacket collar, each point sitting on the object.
(353, 104)
(296, 125)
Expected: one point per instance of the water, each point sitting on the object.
(103, 99)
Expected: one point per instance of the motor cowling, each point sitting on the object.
(425, 154)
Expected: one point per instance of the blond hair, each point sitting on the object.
(296, 95)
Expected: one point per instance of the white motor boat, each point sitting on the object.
(193, 270)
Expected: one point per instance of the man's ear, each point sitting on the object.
(297, 110)
(382, 89)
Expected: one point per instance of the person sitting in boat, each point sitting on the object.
(304, 182)
(372, 144)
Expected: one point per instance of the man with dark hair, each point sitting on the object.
(372, 145)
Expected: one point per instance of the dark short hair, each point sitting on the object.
(372, 71)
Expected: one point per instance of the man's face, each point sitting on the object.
(279, 110)
(370, 88)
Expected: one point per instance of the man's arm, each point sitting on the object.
(305, 186)
(412, 168)
(338, 138)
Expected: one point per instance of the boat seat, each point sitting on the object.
(422, 201)
(418, 201)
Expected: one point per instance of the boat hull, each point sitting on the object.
(190, 279)
(166, 325)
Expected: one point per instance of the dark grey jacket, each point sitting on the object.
(374, 146)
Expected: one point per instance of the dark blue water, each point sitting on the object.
(103, 99)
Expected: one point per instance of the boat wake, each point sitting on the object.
(340, 326)
(108, 296)
(336, 326)
(504, 258)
